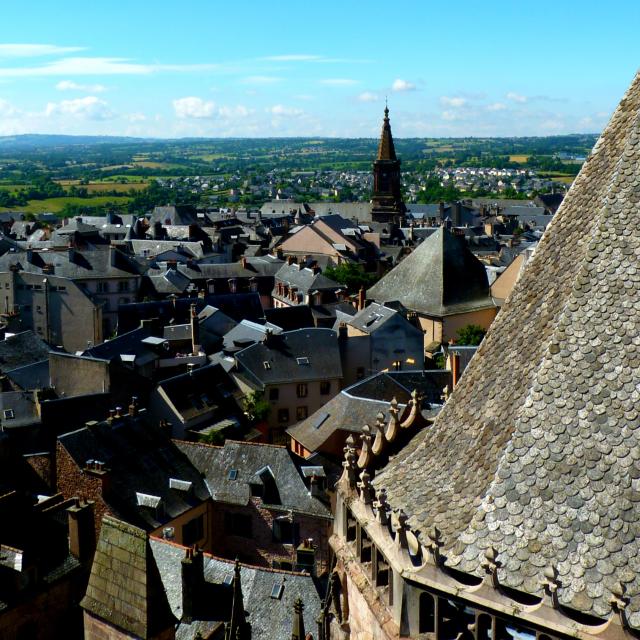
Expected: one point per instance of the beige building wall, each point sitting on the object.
(505, 282)
(452, 324)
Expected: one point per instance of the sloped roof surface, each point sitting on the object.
(125, 588)
(270, 618)
(440, 277)
(247, 459)
(537, 453)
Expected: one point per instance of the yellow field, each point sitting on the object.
(519, 158)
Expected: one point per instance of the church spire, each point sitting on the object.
(386, 150)
(237, 628)
(298, 621)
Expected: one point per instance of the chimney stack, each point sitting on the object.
(195, 331)
(192, 583)
(455, 368)
(82, 535)
(133, 407)
(361, 299)
(243, 262)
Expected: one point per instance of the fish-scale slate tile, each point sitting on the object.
(537, 453)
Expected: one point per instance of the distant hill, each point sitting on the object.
(41, 141)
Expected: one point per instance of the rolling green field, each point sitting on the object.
(55, 205)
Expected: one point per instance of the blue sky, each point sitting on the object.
(281, 68)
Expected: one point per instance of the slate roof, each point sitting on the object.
(305, 279)
(125, 587)
(22, 349)
(246, 333)
(248, 459)
(372, 317)
(31, 376)
(537, 453)
(359, 404)
(98, 262)
(270, 618)
(293, 356)
(140, 459)
(440, 277)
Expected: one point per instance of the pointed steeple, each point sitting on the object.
(297, 632)
(237, 628)
(386, 150)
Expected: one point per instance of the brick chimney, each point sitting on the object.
(243, 262)
(82, 535)
(195, 331)
(455, 368)
(361, 298)
(192, 583)
(133, 406)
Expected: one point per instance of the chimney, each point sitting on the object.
(82, 535)
(192, 583)
(456, 217)
(133, 407)
(289, 260)
(279, 253)
(361, 297)
(441, 210)
(195, 331)
(342, 331)
(211, 286)
(243, 262)
(158, 231)
(455, 368)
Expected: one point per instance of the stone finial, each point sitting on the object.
(551, 584)
(382, 507)
(349, 463)
(401, 530)
(394, 421)
(365, 453)
(445, 393)
(491, 564)
(619, 601)
(414, 410)
(435, 541)
(367, 493)
(380, 442)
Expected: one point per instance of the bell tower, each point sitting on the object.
(387, 201)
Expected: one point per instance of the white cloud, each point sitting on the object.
(89, 108)
(83, 66)
(239, 111)
(192, 107)
(368, 96)
(260, 80)
(292, 57)
(281, 110)
(338, 82)
(7, 110)
(136, 117)
(456, 103)
(34, 50)
(516, 97)
(449, 115)
(496, 106)
(402, 85)
(69, 85)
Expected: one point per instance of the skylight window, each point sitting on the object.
(266, 364)
(228, 580)
(276, 590)
(8, 414)
(302, 360)
(233, 474)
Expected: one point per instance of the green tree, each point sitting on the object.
(256, 407)
(352, 275)
(471, 335)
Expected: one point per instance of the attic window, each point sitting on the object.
(302, 360)
(8, 414)
(146, 500)
(228, 580)
(276, 590)
(180, 485)
(233, 474)
(266, 365)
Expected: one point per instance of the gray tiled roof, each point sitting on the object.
(305, 279)
(125, 588)
(22, 349)
(301, 355)
(440, 277)
(247, 459)
(270, 618)
(537, 453)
